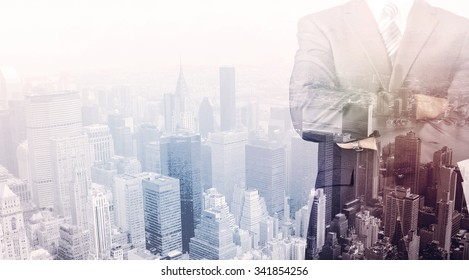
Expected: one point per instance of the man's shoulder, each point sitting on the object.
(449, 18)
(330, 15)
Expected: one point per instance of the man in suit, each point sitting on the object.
(373, 68)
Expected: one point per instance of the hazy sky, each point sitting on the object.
(39, 37)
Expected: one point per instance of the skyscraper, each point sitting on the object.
(228, 160)
(13, 240)
(213, 238)
(162, 208)
(100, 223)
(400, 205)
(407, 161)
(101, 142)
(128, 201)
(227, 98)
(304, 169)
(317, 222)
(367, 228)
(48, 116)
(74, 243)
(146, 133)
(71, 177)
(253, 211)
(206, 118)
(444, 224)
(180, 158)
(266, 171)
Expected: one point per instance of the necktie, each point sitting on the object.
(389, 29)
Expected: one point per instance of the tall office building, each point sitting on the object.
(13, 239)
(304, 169)
(253, 211)
(71, 177)
(212, 198)
(367, 228)
(206, 118)
(100, 223)
(180, 158)
(266, 171)
(147, 133)
(400, 205)
(162, 208)
(101, 142)
(444, 224)
(179, 114)
(128, 201)
(367, 176)
(407, 161)
(227, 98)
(317, 222)
(228, 160)
(74, 243)
(152, 160)
(48, 116)
(329, 159)
(213, 238)
(446, 184)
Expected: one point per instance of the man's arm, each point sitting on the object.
(318, 105)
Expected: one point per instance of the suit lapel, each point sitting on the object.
(420, 25)
(360, 19)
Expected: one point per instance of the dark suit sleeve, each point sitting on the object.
(318, 105)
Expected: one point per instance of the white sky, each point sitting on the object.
(52, 36)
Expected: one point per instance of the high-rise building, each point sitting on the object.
(212, 198)
(48, 116)
(444, 225)
(152, 160)
(227, 98)
(228, 160)
(13, 239)
(101, 143)
(74, 243)
(266, 171)
(304, 169)
(253, 211)
(367, 175)
(71, 177)
(446, 184)
(317, 222)
(213, 238)
(147, 133)
(162, 208)
(179, 114)
(407, 161)
(400, 205)
(367, 228)
(180, 158)
(206, 118)
(100, 223)
(206, 166)
(442, 157)
(128, 201)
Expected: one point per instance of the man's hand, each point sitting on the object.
(367, 143)
(429, 107)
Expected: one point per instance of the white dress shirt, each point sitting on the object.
(404, 6)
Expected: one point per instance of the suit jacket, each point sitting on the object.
(343, 82)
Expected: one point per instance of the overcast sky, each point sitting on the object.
(39, 37)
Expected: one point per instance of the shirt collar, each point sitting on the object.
(404, 6)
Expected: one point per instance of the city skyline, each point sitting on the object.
(182, 160)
